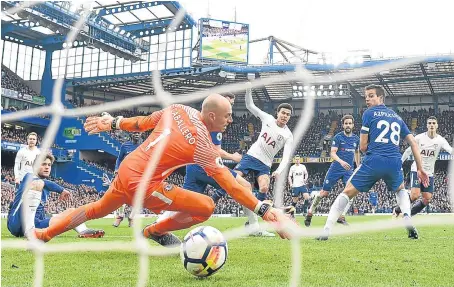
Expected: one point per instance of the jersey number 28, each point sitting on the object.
(395, 132)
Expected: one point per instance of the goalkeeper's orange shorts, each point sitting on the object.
(158, 195)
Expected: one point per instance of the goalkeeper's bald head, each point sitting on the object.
(216, 112)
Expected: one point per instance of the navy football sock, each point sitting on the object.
(417, 207)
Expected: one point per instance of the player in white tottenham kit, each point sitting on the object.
(430, 143)
(274, 136)
(25, 158)
(297, 180)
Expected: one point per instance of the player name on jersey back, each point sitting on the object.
(271, 140)
(386, 129)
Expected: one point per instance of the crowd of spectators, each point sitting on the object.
(13, 82)
(19, 136)
(104, 166)
(82, 194)
(244, 131)
(221, 32)
(238, 137)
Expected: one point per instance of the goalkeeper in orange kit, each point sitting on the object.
(186, 141)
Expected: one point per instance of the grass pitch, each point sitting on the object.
(370, 259)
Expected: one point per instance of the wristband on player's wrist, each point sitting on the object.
(262, 208)
(116, 123)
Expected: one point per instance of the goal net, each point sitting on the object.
(160, 97)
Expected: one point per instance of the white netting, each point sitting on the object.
(141, 246)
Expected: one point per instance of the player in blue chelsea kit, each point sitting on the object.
(344, 152)
(125, 149)
(381, 132)
(373, 200)
(22, 222)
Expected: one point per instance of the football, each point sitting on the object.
(203, 251)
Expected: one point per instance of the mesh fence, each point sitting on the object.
(139, 244)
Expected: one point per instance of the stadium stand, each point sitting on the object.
(386, 201)
(13, 82)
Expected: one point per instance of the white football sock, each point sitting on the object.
(336, 209)
(252, 218)
(81, 228)
(403, 201)
(347, 208)
(315, 203)
(31, 202)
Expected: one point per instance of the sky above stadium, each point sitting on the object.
(388, 27)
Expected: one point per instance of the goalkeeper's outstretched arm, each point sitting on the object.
(140, 123)
(106, 122)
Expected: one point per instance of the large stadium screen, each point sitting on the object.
(224, 40)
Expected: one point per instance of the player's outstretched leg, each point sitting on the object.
(337, 208)
(191, 208)
(264, 185)
(315, 202)
(420, 204)
(82, 229)
(111, 200)
(403, 201)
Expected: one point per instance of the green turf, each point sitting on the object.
(370, 259)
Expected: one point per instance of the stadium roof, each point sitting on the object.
(46, 23)
(432, 78)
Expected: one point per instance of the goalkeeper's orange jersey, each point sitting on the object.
(186, 140)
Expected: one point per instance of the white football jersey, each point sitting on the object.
(25, 158)
(430, 149)
(271, 140)
(299, 175)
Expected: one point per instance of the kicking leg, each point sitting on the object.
(82, 230)
(422, 203)
(338, 207)
(111, 200)
(403, 201)
(264, 186)
(315, 202)
(341, 219)
(414, 195)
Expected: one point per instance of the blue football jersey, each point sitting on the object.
(125, 149)
(216, 137)
(386, 129)
(373, 196)
(48, 187)
(346, 147)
